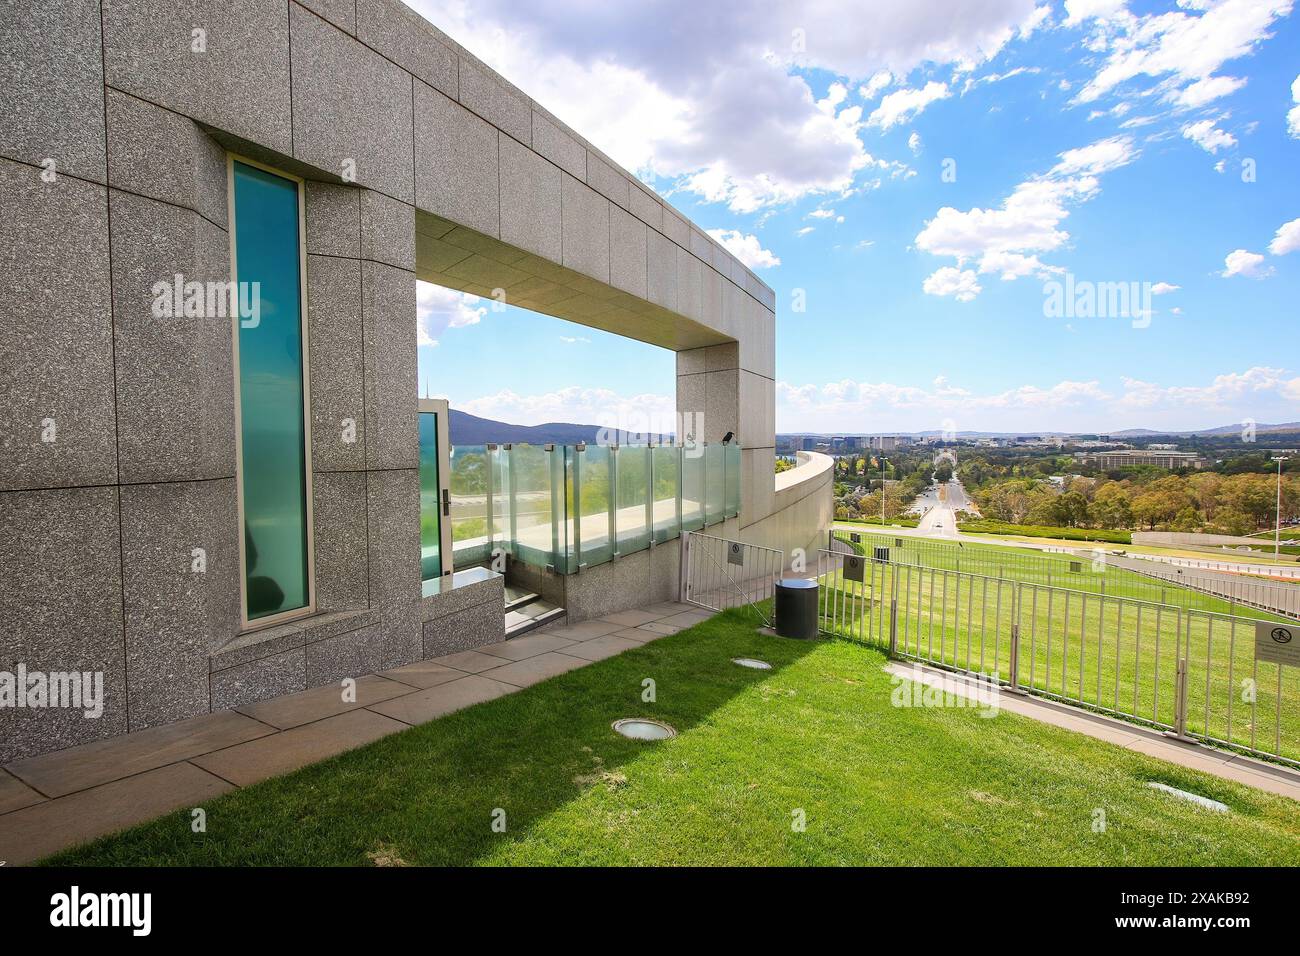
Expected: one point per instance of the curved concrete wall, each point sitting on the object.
(803, 507)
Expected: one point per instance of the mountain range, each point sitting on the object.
(467, 429)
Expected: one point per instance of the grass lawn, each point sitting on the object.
(1104, 649)
(877, 784)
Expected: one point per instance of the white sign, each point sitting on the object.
(1279, 643)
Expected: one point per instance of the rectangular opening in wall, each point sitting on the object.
(273, 439)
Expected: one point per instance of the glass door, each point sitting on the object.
(435, 491)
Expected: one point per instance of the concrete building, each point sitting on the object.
(1129, 458)
(215, 217)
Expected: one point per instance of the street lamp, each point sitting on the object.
(1277, 530)
(882, 486)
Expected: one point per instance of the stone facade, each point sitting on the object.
(419, 161)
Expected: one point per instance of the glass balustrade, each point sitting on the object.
(571, 506)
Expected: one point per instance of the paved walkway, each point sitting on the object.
(1256, 773)
(70, 796)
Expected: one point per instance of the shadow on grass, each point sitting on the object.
(430, 795)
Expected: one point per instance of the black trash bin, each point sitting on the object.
(796, 608)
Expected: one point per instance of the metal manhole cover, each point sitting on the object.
(639, 728)
(752, 663)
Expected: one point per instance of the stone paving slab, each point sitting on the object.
(14, 794)
(423, 674)
(256, 760)
(530, 645)
(585, 631)
(687, 618)
(632, 618)
(318, 703)
(659, 628)
(534, 670)
(599, 648)
(79, 768)
(27, 835)
(425, 705)
(636, 635)
(469, 662)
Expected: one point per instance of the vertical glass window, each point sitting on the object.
(430, 499)
(273, 442)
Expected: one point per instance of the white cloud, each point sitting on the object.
(804, 231)
(574, 339)
(914, 143)
(1206, 91)
(961, 284)
(1293, 117)
(1287, 238)
(1164, 288)
(1007, 239)
(876, 85)
(903, 105)
(1207, 136)
(438, 309)
(1182, 50)
(1239, 262)
(716, 109)
(746, 248)
(822, 214)
(1261, 393)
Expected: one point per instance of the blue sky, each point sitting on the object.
(1088, 141)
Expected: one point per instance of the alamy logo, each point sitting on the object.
(208, 300)
(1084, 299)
(133, 910)
(70, 690)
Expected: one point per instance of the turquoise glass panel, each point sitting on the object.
(667, 484)
(273, 431)
(630, 524)
(471, 486)
(430, 499)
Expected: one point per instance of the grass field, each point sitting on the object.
(1107, 650)
(817, 736)
(1042, 567)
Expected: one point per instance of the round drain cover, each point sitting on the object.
(639, 728)
(752, 663)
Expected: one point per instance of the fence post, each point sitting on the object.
(893, 627)
(684, 576)
(1180, 701)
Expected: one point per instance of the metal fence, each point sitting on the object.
(719, 574)
(1096, 570)
(1275, 597)
(1192, 673)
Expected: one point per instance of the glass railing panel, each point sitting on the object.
(499, 500)
(533, 534)
(715, 485)
(733, 463)
(470, 485)
(666, 467)
(692, 487)
(631, 519)
(592, 502)
(430, 506)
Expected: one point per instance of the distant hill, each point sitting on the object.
(467, 429)
(1260, 429)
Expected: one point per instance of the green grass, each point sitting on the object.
(1101, 649)
(878, 784)
(988, 526)
(1047, 568)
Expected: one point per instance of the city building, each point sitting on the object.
(1130, 458)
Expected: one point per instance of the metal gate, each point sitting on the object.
(719, 574)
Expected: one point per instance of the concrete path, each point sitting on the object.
(1221, 763)
(58, 799)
